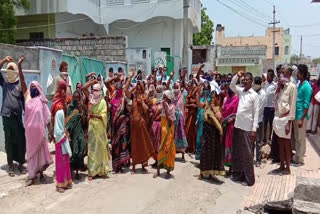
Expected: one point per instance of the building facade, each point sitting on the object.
(148, 24)
(231, 59)
(282, 45)
(203, 54)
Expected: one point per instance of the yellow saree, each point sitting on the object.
(167, 151)
(98, 150)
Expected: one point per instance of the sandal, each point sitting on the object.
(29, 182)
(277, 171)
(59, 190)
(11, 173)
(285, 172)
(69, 186)
(244, 184)
(22, 170)
(168, 176)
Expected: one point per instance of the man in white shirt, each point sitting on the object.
(213, 84)
(52, 85)
(270, 90)
(257, 86)
(285, 112)
(245, 128)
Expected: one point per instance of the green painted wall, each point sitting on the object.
(224, 69)
(255, 70)
(36, 20)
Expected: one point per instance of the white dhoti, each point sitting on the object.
(279, 127)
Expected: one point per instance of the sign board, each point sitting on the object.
(238, 61)
(241, 51)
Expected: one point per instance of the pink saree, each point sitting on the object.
(37, 116)
(229, 112)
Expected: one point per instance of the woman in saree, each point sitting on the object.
(205, 96)
(156, 119)
(36, 120)
(180, 138)
(58, 100)
(98, 149)
(119, 130)
(191, 118)
(62, 147)
(141, 144)
(167, 150)
(230, 108)
(211, 158)
(76, 125)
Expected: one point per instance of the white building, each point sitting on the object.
(156, 25)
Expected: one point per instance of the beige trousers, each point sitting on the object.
(300, 137)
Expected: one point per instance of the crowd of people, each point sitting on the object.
(223, 120)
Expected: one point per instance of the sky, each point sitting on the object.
(302, 17)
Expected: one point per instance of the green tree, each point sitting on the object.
(205, 36)
(294, 59)
(316, 61)
(8, 20)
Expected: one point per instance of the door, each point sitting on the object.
(170, 60)
(236, 69)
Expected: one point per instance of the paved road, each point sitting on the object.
(125, 193)
(139, 193)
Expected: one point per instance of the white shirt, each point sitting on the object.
(262, 101)
(248, 108)
(270, 90)
(213, 84)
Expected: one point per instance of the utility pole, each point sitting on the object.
(185, 59)
(301, 47)
(274, 35)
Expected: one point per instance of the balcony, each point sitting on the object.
(108, 11)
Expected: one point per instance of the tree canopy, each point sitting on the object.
(8, 20)
(316, 61)
(205, 36)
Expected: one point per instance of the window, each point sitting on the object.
(144, 54)
(286, 50)
(36, 36)
(276, 51)
(199, 56)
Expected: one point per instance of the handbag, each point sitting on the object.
(317, 96)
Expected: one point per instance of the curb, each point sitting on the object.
(315, 140)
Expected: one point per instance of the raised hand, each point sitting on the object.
(131, 72)
(8, 59)
(241, 73)
(172, 73)
(21, 60)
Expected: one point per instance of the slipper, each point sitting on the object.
(244, 184)
(29, 182)
(11, 173)
(277, 171)
(68, 187)
(168, 176)
(59, 190)
(285, 172)
(42, 179)
(22, 170)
